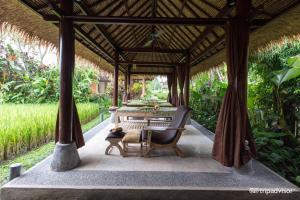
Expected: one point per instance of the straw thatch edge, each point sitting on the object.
(285, 25)
(35, 28)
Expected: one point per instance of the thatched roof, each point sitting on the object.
(33, 25)
(206, 43)
(285, 25)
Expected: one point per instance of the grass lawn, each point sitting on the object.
(31, 158)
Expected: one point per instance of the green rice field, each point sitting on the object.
(27, 126)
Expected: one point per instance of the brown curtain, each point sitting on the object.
(125, 88)
(128, 86)
(170, 81)
(174, 90)
(181, 78)
(124, 97)
(77, 135)
(233, 127)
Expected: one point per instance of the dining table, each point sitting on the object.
(144, 112)
(144, 103)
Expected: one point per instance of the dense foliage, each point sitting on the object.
(156, 89)
(24, 78)
(274, 84)
(207, 92)
(273, 104)
(278, 154)
(40, 84)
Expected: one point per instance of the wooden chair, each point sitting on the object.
(166, 137)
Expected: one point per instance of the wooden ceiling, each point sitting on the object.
(149, 44)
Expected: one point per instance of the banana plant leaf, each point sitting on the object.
(284, 75)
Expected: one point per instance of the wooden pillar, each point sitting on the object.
(186, 89)
(174, 89)
(67, 60)
(126, 86)
(129, 82)
(116, 80)
(143, 86)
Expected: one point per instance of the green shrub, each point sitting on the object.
(36, 83)
(282, 158)
(207, 93)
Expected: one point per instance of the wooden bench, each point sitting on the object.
(114, 139)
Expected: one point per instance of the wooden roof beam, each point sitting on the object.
(149, 63)
(152, 73)
(152, 50)
(175, 27)
(101, 29)
(139, 9)
(124, 12)
(129, 14)
(85, 9)
(90, 40)
(142, 20)
(148, 21)
(164, 6)
(155, 66)
(225, 11)
(141, 32)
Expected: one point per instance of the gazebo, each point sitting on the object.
(158, 37)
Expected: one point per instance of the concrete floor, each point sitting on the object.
(163, 176)
(196, 147)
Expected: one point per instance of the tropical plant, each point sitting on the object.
(25, 79)
(278, 78)
(207, 92)
(262, 91)
(273, 152)
(136, 88)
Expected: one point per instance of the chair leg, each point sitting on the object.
(120, 149)
(147, 153)
(178, 152)
(125, 147)
(107, 151)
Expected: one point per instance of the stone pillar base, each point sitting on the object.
(247, 169)
(65, 157)
(112, 111)
(188, 120)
